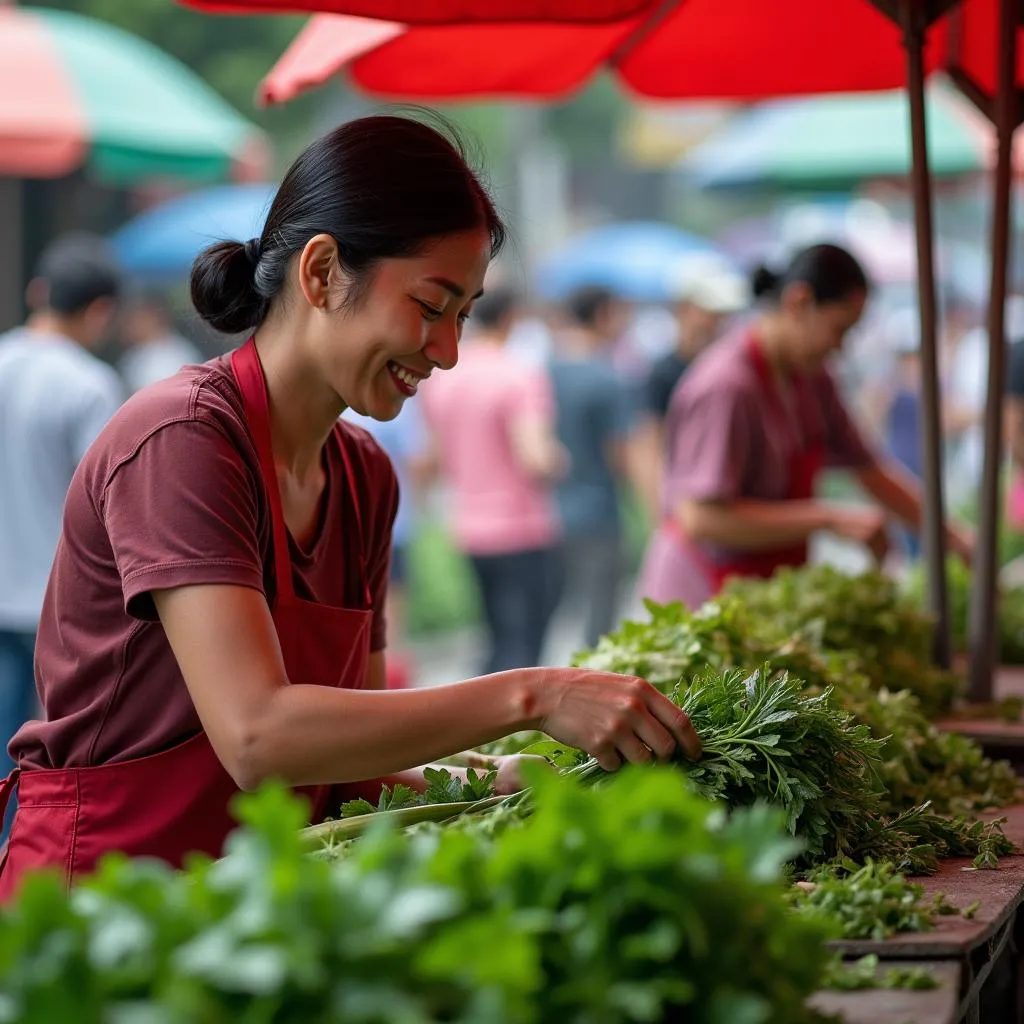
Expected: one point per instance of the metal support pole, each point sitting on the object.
(983, 598)
(12, 277)
(933, 521)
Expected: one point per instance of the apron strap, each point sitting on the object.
(350, 480)
(7, 788)
(245, 363)
(805, 406)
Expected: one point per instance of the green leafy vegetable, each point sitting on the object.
(636, 902)
(442, 788)
(863, 974)
(1010, 609)
(869, 902)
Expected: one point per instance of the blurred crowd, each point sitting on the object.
(534, 446)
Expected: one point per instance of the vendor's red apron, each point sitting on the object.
(806, 461)
(171, 803)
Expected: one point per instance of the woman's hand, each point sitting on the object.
(509, 767)
(867, 526)
(612, 717)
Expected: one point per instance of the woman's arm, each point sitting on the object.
(261, 725)
(754, 525)
(898, 491)
(536, 448)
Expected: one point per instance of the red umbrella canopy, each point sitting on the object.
(727, 49)
(443, 12)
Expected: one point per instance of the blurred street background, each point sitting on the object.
(151, 136)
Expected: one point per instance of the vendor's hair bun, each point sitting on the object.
(764, 282)
(224, 288)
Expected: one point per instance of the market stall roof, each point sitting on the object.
(836, 142)
(78, 92)
(701, 48)
(439, 12)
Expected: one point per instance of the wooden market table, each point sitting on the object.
(976, 947)
(998, 738)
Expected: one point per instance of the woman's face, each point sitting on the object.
(817, 330)
(376, 351)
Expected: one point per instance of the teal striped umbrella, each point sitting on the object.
(76, 92)
(831, 143)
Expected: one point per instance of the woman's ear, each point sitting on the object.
(319, 263)
(796, 298)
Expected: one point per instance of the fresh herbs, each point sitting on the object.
(442, 788)
(638, 902)
(864, 974)
(764, 739)
(1009, 605)
(748, 629)
(866, 615)
(872, 901)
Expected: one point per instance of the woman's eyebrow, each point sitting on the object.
(451, 286)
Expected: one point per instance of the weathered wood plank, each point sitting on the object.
(898, 1006)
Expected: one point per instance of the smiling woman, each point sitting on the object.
(214, 615)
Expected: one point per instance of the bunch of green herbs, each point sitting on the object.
(869, 901)
(637, 902)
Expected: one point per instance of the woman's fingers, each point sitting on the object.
(677, 722)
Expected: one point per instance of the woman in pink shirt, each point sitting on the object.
(748, 431)
(493, 420)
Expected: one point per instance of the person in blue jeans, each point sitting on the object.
(55, 397)
(594, 421)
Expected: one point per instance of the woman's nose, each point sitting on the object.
(442, 346)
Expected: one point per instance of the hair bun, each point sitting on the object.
(253, 251)
(764, 281)
(223, 287)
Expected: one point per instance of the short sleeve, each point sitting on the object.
(98, 402)
(182, 511)
(1015, 373)
(847, 448)
(711, 439)
(531, 396)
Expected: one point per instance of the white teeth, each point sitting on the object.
(404, 375)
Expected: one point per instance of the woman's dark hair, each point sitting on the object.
(382, 186)
(829, 271)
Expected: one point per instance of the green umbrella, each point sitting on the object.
(834, 142)
(77, 92)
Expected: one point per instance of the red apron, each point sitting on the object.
(169, 804)
(806, 461)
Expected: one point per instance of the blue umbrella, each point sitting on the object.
(161, 243)
(638, 260)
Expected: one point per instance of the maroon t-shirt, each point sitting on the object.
(169, 495)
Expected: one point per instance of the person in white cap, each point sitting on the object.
(706, 295)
